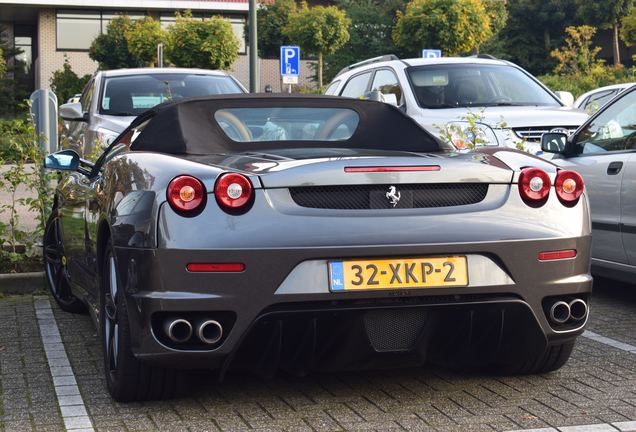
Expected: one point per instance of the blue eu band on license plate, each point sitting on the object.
(336, 271)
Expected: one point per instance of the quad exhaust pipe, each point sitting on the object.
(561, 312)
(180, 330)
(578, 309)
(210, 332)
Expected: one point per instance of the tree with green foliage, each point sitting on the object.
(65, 82)
(272, 19)
(577, 56)
(628, 28)
(605, 14)
(111, 49)
(3, 64)
(319, 30)
(370, 33)
(14, 80)
(497, 11)
(143, 38)
(528, 42)
(455, 27)
(208, 43)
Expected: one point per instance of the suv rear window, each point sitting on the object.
(475, 85)
(133, 94)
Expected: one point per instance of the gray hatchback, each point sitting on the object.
(112, 99)
(603, 151)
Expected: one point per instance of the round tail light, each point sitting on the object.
(186, 194)
(569, 186)
(534, 185)
(233, 192)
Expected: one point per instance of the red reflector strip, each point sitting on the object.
(392, 168)
(557, 255)
(215, 267)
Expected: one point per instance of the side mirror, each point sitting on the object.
(566, 97)
(554, 142)
(390, 98)
(65, 160)
(378, 96)
(72, 112)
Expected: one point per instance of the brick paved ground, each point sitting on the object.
(598, 385)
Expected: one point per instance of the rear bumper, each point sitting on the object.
(285, 292)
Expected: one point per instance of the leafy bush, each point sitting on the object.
(208, 43)
(143, 39)
(110, 49)
(21, 145)
(598, 76)
(65, 83)
(579, 70)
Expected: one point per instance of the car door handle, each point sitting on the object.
(614, 168)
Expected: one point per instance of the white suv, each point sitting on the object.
(510, 107)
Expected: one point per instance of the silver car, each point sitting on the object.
(603, 151)
(593, 100)
(112, 99)
(513, 108)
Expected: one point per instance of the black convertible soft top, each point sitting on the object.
(188, 126)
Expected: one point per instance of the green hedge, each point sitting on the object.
(599, 76)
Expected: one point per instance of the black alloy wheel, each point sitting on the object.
(55, 267)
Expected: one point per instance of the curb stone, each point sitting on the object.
(21, 283)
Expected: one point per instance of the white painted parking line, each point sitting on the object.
(626, 426)
(69, 399)
(611, 342)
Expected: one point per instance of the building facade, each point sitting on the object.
(50, 31)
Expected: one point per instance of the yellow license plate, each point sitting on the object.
(398, 273)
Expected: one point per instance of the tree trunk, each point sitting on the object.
(615, 47)
(546, 40)
(320, 69)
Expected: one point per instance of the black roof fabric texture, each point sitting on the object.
(188, 126)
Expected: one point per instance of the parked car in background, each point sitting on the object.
(603, 151)
(304, 233)
(112, 99)
(515, 109)
(593, 100)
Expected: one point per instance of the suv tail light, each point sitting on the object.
(186, 194)
(569, 186)
(534, 185)
(234, 192)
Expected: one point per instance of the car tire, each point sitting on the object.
(55, 266)
(550, 359)
(127, 378)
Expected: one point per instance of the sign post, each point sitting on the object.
(431, 53)
(289, 65)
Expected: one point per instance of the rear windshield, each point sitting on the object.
(287, 124)
(476, 85)
(131, 95)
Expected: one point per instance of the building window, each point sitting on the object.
(238, 24)
(76, 29)
(25, 57)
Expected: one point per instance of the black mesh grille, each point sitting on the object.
(394, 330)
(359, 197)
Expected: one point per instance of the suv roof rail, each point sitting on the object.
(484, 56)
(382, 58)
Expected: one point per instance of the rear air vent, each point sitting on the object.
(364, 197)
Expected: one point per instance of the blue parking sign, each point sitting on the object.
(431, 53)
(289, 60)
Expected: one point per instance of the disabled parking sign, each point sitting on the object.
(431, 53)
(289, 60)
